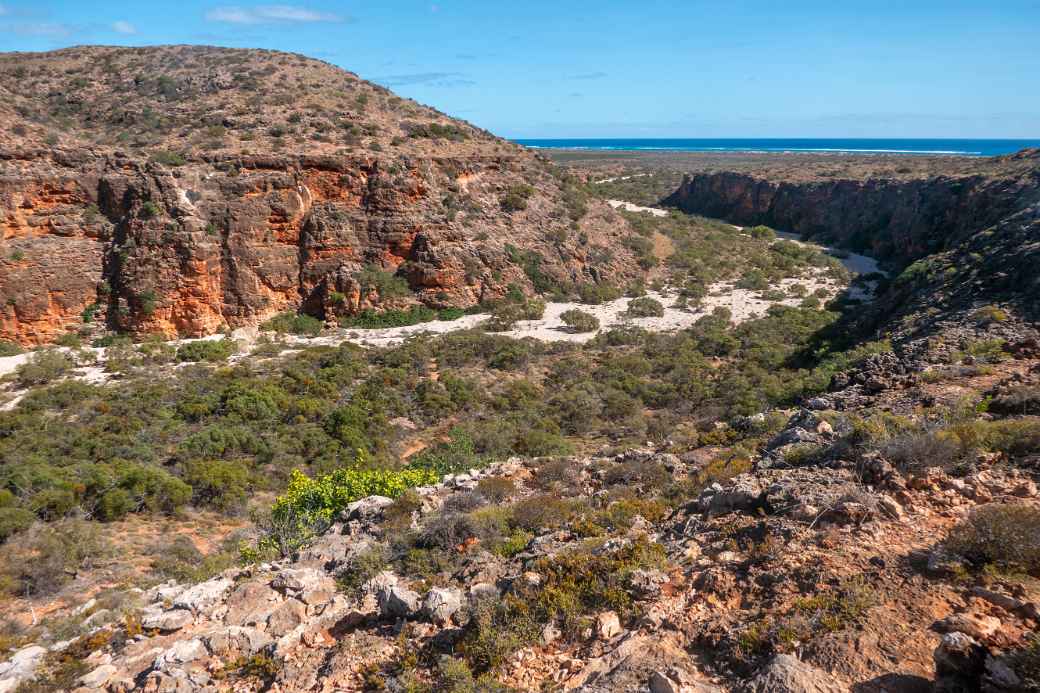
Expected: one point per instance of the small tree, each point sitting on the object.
(580, 321)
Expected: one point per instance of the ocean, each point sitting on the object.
(847, 146)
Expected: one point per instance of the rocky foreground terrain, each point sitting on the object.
(821, 564)
(185, 190)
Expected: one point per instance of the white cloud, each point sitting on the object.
(269, 14)
(124, 27)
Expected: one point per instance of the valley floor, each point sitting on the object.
(743, 304)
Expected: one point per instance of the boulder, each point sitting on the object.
(309, 585)
(367, 508)
(787, 674)
(20, 667)
(890, 507)
(661, 683)
(998, 676)
(818, 404)
(647, 583)
(977, 626)
(483, 590)
(99, 677)
(941, 562)
(960, 657)
(744, 492)
(397, 601)
(297, 579)
(250, 603)
(550, 634)
(380, 582)
(236, 641)
(180, 652)
(1025, 489)
(167, 621)
(203, 595)
(291, 613)
(608, 625)
(441, 604)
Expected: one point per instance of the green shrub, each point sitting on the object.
(220, 484)
(385, 284)
(983, 351)
(69, 339)
(212, 350)
(496, 488)
(294, 323)
(541, 512)
(1005, 536)
(435, 131)
(9, 349)
(451, 457)
(827, 611)
(370, 319)
(990, 314)
(595, 294)
(645, 307)
(14, 520)
(515, 198)
(506, 314)
(148, 301)
(914, 452)
(44, 366)
(43, 558)
(574, 585)
(180, 560)
(169, 158)
(531, 262)
(763, 233)
(322, 498)
(361, 567)
(579, 320)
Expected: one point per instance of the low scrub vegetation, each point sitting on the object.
(1004, 536)
(370, 319)
(44, 366)
(645, 307)
(579, 320)
(294, 323)
(215, 435)
(573, 586)
(212, 350)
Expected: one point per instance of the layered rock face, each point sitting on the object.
(898, 219)
(174, 235)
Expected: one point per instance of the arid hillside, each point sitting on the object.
(183, 190)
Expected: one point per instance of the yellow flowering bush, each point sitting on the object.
(321, 498)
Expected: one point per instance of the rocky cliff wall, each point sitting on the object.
(190, 249)
(901, 220)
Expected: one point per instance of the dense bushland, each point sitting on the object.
(212, 435)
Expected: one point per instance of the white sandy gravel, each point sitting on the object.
(629, 207)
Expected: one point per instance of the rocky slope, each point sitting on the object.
(183, 190)
(896, 217)
(826, 575)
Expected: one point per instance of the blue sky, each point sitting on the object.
(572, 68)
